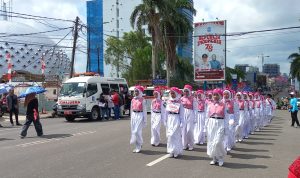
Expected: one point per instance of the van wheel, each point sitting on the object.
(70, 118)
(94, 114)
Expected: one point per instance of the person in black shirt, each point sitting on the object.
(12, 106)
(32, 115)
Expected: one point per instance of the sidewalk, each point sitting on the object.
(22, 118)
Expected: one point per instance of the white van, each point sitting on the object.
(148, 96)
(79, 96)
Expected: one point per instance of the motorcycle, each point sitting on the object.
(54, 112)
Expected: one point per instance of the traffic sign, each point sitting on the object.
(159, 82)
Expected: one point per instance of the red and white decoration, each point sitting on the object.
(9, 66)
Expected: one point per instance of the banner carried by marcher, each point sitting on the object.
(209, 51)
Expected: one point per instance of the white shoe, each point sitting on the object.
(228, 149)
(240, 140)
(191, 149)
(252, 133)
(220, 162)
(246, 137)
(201, 143)
(170, 155)
(134, 151)
(184, 148)
(137, 150)
(175, 155)
(213, 162)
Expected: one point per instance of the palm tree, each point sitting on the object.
(175, 27)
(148, 13)
(295, 65)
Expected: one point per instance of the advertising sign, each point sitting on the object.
(209, 51)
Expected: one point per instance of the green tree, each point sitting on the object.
(147, 13)
(295, 65)
(115, 54)
(183, 73)
(135, 51)
(175, 27)
(228, 78)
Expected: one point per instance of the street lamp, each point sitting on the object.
(262, 61)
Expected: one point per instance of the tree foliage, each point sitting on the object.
(295, 65)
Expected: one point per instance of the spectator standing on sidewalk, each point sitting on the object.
(293, 108)
(116, 101)
(110, 104)
(12, 106)
(103, 107)
(32, 115)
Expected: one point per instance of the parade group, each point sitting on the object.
(221, 118)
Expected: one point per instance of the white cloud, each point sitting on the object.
(246, 15)
(249, 15)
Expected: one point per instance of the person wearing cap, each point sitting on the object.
(157, 117)
(174, 123)
(204, 64)
(230, 120)
(138, 118)
(241, 117)
(199, 129)
(189, 119)
(270, 107)
(216, 112)
(293, 108)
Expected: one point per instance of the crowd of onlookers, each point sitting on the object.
(114, 102)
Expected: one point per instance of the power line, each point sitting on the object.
(26, 34)
(39, 17)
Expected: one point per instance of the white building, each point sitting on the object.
(110, 19)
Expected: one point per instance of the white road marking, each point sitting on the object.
(158, 160)
(53, 139)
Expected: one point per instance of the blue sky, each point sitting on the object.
(241, 15)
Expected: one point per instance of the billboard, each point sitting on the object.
(209, 51)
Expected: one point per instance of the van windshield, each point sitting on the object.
(72, 89)
(148, 92)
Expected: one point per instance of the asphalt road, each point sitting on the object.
(101, 149)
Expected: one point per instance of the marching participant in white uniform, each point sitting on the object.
(251, 113)
(138, 118)
(189, 119)
(270, 107)
(257, 112)
(216, 129)
(199, 130)
(230, 121)
(157, 117)
(246, 129)
(241, 117)
(173, 122)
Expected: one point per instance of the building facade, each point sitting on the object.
(185, 50)
(95, 62)
(242, 67)
(273, 70)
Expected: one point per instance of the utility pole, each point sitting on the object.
(98, 52)
(118, 34)
(74, 46)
